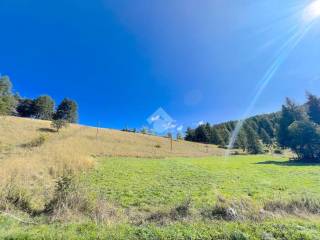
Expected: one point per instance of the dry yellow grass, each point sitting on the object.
(75, 148)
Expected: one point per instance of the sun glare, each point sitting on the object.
(312, 11)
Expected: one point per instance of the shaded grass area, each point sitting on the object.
(285, 230)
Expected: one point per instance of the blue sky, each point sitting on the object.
(122, 60)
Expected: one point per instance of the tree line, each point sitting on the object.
(43, 107)
(296, 127)
(255, 132)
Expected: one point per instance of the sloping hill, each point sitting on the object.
(75, 149)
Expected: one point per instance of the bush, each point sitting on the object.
(58, 124)
(63, 187)
(181, 211)
(278, 151)
(37, 142)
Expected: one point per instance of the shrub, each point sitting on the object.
(63, 186)
(37, 142)
(181, 211)
(18, 198)
(157, 146)
(278, 151)
(58, 124)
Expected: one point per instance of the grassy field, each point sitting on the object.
(74, 185)
(146, 183)
(188, 198)
(33, 156)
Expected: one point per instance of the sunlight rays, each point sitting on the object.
(310, 14)
(312, 11)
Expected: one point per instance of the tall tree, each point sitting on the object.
(290, 113)
(7, 100)
(190, 135)
(202, 134)
(215, 137)
(241, 140)
(5, 86)
(67, 110)
(253, 144)
(265, 137)
(44, 107)
(313, 108)
(305, 140)
(25, 108)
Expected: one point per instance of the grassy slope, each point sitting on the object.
(75, 148)
(138, 187)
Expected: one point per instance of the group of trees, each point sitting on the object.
(299, 128)
(296, 127)
(255, 132)
(42, 107)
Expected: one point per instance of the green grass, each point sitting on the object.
(284, 230)
(140, 186)
(145, 183)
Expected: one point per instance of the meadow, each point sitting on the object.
(116, 185)
(270, 197)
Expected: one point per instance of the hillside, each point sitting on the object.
(74, 148)
(77, 184)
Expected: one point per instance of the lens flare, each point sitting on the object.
(312, 11)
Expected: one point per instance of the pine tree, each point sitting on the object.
(241, 140)
(265, 137)
(25, 108)
(201, 134)
(290, 113)
(5, 86)
(190, 135)
(44, 107)
(253, 144)
(7, 100)
(215, 137)
(313, 108)
(67, 110)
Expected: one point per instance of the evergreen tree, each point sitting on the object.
(305, 140)
(253, 144)
(5, 86)
(265, 137)
(266, 124)
(313, 108)
(241, 140)
(7, 100)
(201, 134)
(44, 107)
(215, 137)
(25, 108)
(290, 113)
(67, 110)
(225, 135)
(190, 135)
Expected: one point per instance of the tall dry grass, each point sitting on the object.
(32, 156)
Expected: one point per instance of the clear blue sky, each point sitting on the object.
(122, 59)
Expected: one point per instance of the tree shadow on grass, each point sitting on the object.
(292, 162)
(46, 130)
